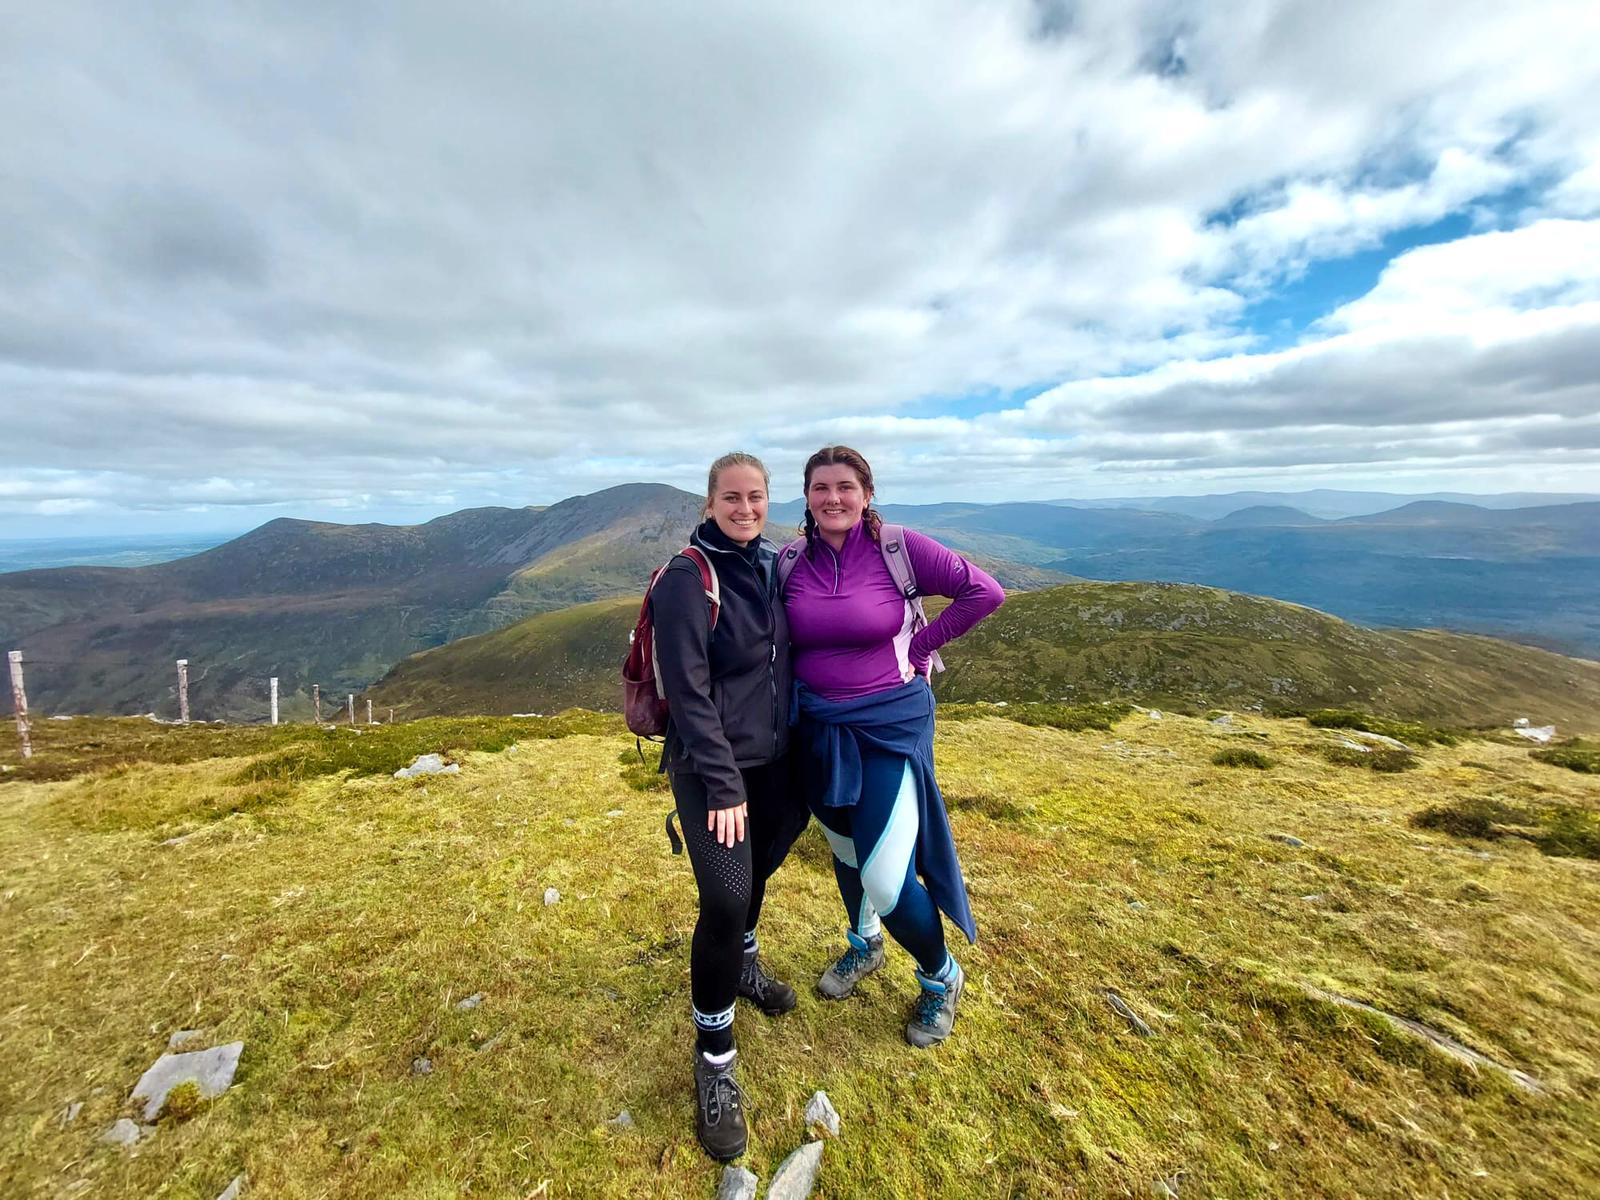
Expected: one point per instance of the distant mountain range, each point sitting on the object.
(1327, 503)
(312, 602)
(1169, 645)
(338, 605)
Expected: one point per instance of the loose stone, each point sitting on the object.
(738, 1184)
(797, 1174)
(123, 1133)
(820, 1113)
(210, 1070)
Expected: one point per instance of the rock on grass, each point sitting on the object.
(821, 1114)
(797, 1174)
(738, 1184)
(211, 1071)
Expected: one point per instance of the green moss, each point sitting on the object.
(641, 768)
(384, 749)
(182, 1102)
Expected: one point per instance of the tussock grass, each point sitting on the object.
(1576, 755)
(1075, 717)
(1559, 829)
(1241, 756)
(334, 928)
(1383, 759)
(1413, 733)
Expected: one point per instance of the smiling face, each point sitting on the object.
(836, 499)
(738, 503)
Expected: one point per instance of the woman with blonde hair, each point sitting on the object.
(722, 661)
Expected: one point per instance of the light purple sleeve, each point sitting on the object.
(940, 571)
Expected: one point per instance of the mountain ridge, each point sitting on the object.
(1174, 646)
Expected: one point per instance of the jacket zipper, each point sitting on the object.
(772, 632)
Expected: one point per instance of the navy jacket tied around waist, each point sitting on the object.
(899, 721)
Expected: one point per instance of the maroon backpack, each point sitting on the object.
(644, 705)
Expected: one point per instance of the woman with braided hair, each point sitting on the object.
(863, 654)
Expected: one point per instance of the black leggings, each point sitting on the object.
(733, 880)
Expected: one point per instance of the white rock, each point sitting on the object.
(1540, 734)
(820, 1112)
(1392, 743)
(738, 1184)
(182, 1038)
(1349, 745)
(427, 764)
(123, 1133)
(1154, 714)
(231, 1192)
(212, 1070)
(469, 1002)
(797, 1174)
(70, 1113)
(1521, 723)
(623, 1120)
(551, 895)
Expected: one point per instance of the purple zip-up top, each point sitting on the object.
(849, 627)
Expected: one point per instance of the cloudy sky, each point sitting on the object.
(381, 261)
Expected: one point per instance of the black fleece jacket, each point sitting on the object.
(727, 692)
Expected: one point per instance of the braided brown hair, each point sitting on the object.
(840, 456)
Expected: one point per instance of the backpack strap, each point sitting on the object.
(708, 579)
(892, 545)
(788, 559)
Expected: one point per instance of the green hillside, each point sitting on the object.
(570, 658)
(1163, 645)
(1184, 646)
(279, 887)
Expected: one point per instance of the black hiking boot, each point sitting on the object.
(719, 1117)
(771, 996)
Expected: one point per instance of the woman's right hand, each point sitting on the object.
(727, 824)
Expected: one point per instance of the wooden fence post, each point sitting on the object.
(316, 700)
(274, 699)
(19, 702)
(369, 710)
(183, 690)
(352, 708)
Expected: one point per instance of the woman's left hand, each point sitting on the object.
(727, 824)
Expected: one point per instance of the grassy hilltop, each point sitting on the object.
(279, 887)
(1166, 645)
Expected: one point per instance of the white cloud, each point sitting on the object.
(267, 260)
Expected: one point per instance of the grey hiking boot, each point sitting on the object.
(771, 996)
(935, 1012)
(719, 1108)
(864, 956)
